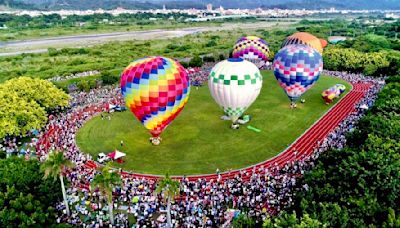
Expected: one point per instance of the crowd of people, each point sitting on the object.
(259, 193)
(199, 76)
(336, 139)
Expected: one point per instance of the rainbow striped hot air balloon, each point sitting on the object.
(297, 68)
(155, 89)
(251, 48)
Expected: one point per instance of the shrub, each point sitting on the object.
(184, 64)
(52, 51)
(208, 59)
(109, 78)
(196, 61)
(211, 43)
(84, 86)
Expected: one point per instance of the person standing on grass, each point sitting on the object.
(122, 143)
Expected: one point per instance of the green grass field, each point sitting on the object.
(198, 142)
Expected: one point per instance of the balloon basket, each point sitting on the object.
(235, 126)
(155, 141)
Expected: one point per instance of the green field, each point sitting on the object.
(37, 33)
(198, 142)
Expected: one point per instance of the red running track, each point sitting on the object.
(304, 145)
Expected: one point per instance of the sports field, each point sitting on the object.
(199, 142)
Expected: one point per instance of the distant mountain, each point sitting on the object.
(16, 4)
(181, 4)
(298, 4)
(89, 4)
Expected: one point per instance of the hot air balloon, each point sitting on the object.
(155, 89)
(297, 68)
(251, 48)
(324, 43)
(307, 39)
(334, 92)
(328, 96)
(341, 88)
(235, 84)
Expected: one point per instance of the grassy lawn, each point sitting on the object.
(199, 142)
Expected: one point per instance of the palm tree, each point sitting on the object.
(169, 189)
(54, 167)
(105, 181)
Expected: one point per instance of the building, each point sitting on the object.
(392, 16)
(209, 7)
(221, 10)
(336, 39)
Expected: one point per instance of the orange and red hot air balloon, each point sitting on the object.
(155, 89)
(307, 39)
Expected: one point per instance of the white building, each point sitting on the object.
(209, 7)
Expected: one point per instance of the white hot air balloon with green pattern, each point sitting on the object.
(235, 84)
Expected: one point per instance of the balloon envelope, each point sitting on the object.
(324, 43)
(297, 68)
(333, 92)
(155, 89)
(328, 95)
(235, 84)
(251, 48)
(341, 87)
(307, 39)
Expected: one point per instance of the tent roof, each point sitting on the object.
(116, 154)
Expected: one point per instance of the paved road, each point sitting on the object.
(28, 46)
(91, 37)
(41, 45)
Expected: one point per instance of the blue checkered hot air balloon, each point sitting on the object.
(297, 68)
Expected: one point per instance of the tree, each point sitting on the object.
(108, 78)
(392, 220)
(106, 181)
(211, 43)
(291, 220)
(43, 92)
(243, 221)
(83, 85)
(372, 63)
(25, 102)
(359, 185)
(169, 189)
(209, 59)
(26, 200)
(18, 116)
(54, 166)
(196, 61)
(343, 59)
(52, 51)
(370, 43)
